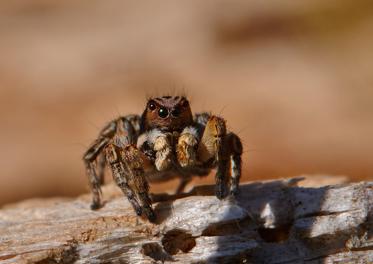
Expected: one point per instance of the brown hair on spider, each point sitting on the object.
(169, 113)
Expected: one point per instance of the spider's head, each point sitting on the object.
(171, 113)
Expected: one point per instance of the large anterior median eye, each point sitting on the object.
(163, 112)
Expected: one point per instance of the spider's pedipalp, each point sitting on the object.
(156, 144)
(186, 149)
(163, 148)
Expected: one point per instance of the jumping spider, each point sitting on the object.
(166, 141)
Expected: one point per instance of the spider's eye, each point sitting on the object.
(176, 112)
(152, 106)
(163, 112)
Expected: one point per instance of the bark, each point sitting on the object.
(270, 222)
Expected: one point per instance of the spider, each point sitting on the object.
(166, 141)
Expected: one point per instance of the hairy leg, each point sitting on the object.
(212, 149)
(234, 147)
(128, 165)
(119, 175)
(94, 158)
(137, 165)
(90, 164)
(101, 164)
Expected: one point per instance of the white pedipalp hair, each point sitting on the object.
(149, 136)
(191, 130)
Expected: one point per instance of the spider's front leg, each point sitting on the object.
(129, 165)
(225, 151)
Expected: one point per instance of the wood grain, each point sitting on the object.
(270, 222)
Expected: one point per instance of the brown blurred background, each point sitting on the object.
(293, 78)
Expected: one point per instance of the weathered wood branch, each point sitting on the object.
(270, 222)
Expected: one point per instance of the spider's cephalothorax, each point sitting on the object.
(167, 113)
(165, 141)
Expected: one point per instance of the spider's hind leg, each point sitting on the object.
(95, 180)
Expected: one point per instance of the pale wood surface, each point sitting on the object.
(270, 222)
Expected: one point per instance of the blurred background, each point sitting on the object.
(294, 79)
